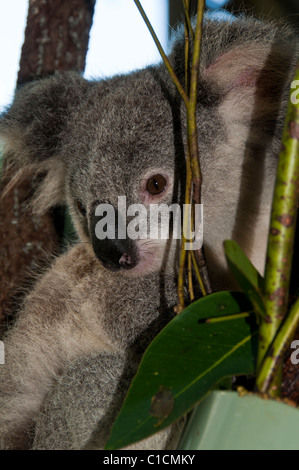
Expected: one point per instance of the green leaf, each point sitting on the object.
(246, 275)
(183, 362)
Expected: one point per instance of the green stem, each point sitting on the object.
(191, 106)
(187, 18)
(192, 136)
(196, 56)
(282, 233)
(187, 45)
(162, 53)
(280, 345)
(194, 178)
(198, 275)
(190, 280)
(186, 229)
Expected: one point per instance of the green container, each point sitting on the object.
(226, 421)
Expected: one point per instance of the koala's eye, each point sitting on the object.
(80, 207)
(156, 184)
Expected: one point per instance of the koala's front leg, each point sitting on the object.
(30, 364)
(35, 352)
(84, 402)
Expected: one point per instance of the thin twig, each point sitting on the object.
(186, 230)
(193, 178)
(191, 107)
(190, 281)
(187, 18)
(162, 53)
(195, 265)
(192, 138)
(187, 45)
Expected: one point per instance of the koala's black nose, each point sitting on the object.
(114, 253)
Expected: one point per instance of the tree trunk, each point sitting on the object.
(56, 39)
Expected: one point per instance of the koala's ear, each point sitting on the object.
(253, 71)
(33, 130)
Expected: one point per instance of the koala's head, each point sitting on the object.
(104, 147)
(121, 160)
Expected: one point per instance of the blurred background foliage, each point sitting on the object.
(287, 9)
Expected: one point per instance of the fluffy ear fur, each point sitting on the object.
(246, 67)
(34, 126)
(253, 77)
(243, 59)
(33, 130)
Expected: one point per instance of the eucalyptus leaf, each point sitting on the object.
(184, 361)
(247, 276)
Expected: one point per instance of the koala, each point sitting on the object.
(82, 329)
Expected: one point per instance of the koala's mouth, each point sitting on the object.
(134, 257)
(116, 255)
(127, 256)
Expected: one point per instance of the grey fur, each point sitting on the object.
(80, 333)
